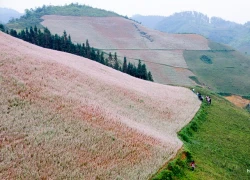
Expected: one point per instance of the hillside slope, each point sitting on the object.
(65, 116)
(162, 53)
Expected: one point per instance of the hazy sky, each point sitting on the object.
(237, 11)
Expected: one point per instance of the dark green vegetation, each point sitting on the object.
(8, 14)
(195, 79)
(217, 139)
(32, 17)
(206, 59)
(216, 29)
(225, 70)
(63, 43)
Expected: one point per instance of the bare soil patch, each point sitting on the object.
(238, 101)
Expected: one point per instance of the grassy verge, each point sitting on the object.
(217, 139)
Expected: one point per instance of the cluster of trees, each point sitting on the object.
(63, 43)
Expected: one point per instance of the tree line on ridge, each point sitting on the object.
(63, 43)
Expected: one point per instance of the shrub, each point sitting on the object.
(166, 175)
(206, 59)
(188, 155)
(194, 126)
(184, 137)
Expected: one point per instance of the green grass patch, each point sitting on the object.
(228, 73)
(218, 140)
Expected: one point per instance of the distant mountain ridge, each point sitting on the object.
(148, 21)
(7, 14)
(214, 28)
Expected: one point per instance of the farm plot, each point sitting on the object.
(127, 38)
(65, 116)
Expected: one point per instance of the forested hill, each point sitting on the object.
(215, 28)
(32, 17)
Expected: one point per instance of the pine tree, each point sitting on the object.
(150, 77)
(110, 60)
(64, 40)
(88, 50)
(22, 35)
(98, 56)
(40, 38)
(27, 35)
(83, 51)
(116, 66)
(2, 28)
(139, 70)
(13, 33)
(36, 35)
(57, 43)
(47, 38)
(144, 74)
(32, 35)
(69, 46)
(125, 66)
(102, 58)
(92, 54)
(78, 49)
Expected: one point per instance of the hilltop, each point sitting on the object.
(214, 28)
(7, 14)
(32, 17)
(67, 116)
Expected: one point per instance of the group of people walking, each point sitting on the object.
(208, 98)
(209, 101)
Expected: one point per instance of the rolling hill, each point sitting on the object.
(172, 58)
(64, 116)
(161, 52)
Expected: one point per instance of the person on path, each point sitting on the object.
(192, 164)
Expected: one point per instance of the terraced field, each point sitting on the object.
(161, 52)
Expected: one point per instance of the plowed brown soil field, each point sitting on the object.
(64, 116)
(161, 52)
(238, 101)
